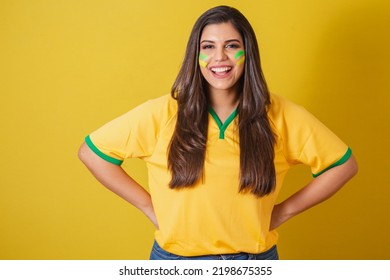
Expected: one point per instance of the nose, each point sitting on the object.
(220, 54)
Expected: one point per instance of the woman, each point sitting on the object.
(217, 150)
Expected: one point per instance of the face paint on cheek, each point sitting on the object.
(240, 55)
(202, 60)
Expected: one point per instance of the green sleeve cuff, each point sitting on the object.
(102, 155)
(342, 160)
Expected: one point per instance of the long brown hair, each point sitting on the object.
(187, 149)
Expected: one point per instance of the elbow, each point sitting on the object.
(354, 168)
(82, 153)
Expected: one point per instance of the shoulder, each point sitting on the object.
(162, 104)
(159, 110)
(291, 121)
(152, 113)
(280, 104)
(282, 110)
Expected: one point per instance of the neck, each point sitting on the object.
(224, 102)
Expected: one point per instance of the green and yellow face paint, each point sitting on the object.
(203, 60)
(240, 57)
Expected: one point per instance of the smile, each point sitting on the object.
(220, 70)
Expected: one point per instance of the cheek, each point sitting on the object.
(239, 69)
(239, 57)
(202, 63)
(203, 60)
(240, 61)
(203, 70)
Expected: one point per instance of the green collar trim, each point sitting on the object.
(222, 126)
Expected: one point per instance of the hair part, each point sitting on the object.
(187, 150)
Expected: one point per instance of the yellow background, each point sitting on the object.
(69, 66)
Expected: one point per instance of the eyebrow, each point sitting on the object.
(227, 41)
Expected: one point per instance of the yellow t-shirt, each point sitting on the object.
(213, 217)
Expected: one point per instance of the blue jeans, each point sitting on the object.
(159, 253)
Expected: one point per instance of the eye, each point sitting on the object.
(233, 46)
(207, 46)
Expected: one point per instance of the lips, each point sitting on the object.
(221, 71)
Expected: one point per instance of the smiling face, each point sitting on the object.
(221, 57)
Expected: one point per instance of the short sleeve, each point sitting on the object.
(306, 140)
(132, 135)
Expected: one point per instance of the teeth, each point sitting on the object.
(221, 69)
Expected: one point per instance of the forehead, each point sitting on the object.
(220, 32)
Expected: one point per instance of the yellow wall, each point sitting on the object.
(68, 66)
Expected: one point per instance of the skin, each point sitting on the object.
(318, 190)
(114, 178)
(220, 42)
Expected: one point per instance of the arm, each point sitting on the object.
(118, 181)
(317, 191)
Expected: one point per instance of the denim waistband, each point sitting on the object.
(159, 253)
